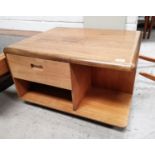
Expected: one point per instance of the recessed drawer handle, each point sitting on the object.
(38, 67)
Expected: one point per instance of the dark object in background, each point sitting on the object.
(146, 24)
(5, 77)
(5, 81)
(151, 26)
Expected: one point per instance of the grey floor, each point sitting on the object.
(21, 120)
(6, 40)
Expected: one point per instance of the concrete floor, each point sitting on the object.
(21, 120)
(6, 40)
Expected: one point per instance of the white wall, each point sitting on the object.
(39, 23)
(111, 22)
(131, 22)
(106, 22)
(42, 23)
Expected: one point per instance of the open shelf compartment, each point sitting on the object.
(107, 96)
(53, 97)
(107, 106)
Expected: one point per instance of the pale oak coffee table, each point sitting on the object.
(84, 72)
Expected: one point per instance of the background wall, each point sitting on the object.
(111, 22)
(39, 23)
(131, 22)
(43, 23)
(105, 22)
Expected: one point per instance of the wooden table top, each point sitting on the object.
(101, 48)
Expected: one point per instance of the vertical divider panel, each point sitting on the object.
(81, 82)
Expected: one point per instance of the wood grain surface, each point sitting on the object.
(101, 48)
(81, 82)
(114, 79)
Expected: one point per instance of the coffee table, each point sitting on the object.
(85, 72)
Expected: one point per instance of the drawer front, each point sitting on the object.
(48, 72)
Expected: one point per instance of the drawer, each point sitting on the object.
(43, 71)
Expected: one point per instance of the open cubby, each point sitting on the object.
(106, 93)
(51, 91)
(42, 94)
(106, 106)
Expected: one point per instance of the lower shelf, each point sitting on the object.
(111, 107)
(101, 105)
